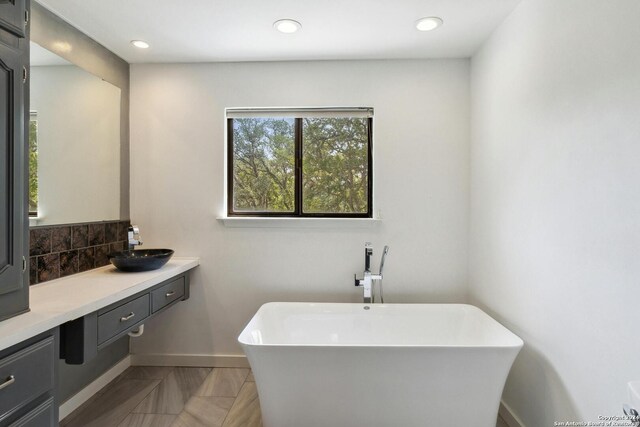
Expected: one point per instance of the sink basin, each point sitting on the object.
(140, 260)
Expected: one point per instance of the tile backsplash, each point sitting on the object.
(62, 250)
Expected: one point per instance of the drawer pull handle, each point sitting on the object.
(130, 316)
(10, 380)
(171, 293)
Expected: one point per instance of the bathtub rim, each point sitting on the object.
(517, 344)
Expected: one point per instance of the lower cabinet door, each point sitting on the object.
(25, 375)
(41, 416)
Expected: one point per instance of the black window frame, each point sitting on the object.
(298, 192)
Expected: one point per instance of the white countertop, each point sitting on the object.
(58, 301)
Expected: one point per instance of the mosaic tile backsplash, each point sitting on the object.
(62, 250)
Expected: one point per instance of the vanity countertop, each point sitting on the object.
(57, 301)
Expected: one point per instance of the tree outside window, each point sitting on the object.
(300, 166)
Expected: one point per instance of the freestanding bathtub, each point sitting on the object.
(383, 365)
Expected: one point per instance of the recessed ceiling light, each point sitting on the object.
(428, 24)
(287, 26)
(140, 44)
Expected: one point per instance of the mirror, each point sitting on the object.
(74, 143)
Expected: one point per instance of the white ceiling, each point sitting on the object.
(241, 30)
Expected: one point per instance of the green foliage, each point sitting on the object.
(263, 165)
(33, 166)
(335, 165)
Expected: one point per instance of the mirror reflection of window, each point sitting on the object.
(33, 163)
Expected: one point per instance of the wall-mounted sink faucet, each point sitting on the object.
(134, 237)
(368, 278)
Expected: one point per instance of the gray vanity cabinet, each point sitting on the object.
(14, 112)
(82, 338)
(28, 378)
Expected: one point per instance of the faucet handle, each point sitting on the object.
(356, 280)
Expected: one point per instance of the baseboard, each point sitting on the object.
(199, 360)
(98, 384)
(509, 417)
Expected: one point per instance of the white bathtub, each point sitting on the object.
(404, 365)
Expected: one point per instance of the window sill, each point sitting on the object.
(264, 222)
(34, 220)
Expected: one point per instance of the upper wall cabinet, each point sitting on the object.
(14, 16)
(14, 110)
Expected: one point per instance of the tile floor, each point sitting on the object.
(146, 396)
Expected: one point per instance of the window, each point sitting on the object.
(300, 163)
(33, 164)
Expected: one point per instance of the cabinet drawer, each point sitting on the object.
(167, 294)
(122, 318)
(41, 416)
(26, 375)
